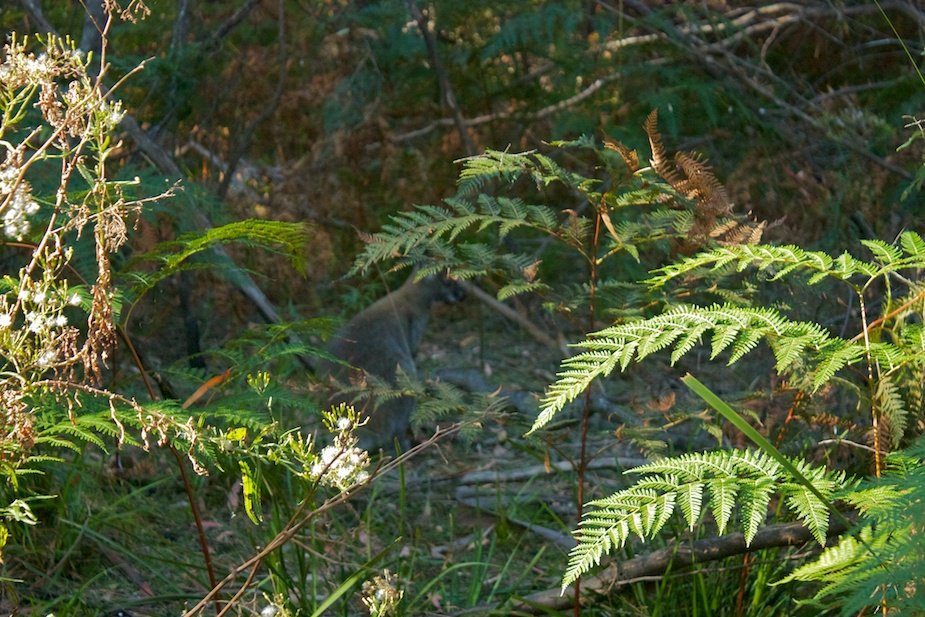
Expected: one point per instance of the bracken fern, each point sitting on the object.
(691, 482)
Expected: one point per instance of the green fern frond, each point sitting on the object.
(882, 251)
(513, 289)
(82, 428)
(690, 500)
(835, 361)
(720, 478)
(288, 239)
(441, 399)
(888, 401)
(788, 350)
(438, 228)
(479, 170)
(646, 195)
(535, 30)
(913, 244)
(606, 530)
(723, 493)
(737, 327)
(835, 562)
(780, 261)
(755, 495)
(809, 509)
(872, 568)
(875, 498)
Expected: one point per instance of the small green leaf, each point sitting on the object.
(251, 493)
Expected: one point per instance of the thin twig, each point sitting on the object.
(247, 135)
(442, 78)
(514, 316)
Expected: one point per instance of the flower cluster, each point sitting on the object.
(20, 68)
(16, 202)
(381, 595)
(41, 306)
(341, 464)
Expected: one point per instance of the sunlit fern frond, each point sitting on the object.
(288, 239)
(662, 165)
(718, 480)
(779, 261)
(733, 328)
(630, 157)
(873, 567)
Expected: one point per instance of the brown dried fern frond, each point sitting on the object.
(366, 237)
(660, 163)
(732, 231)
(630, 157)
(703, 186)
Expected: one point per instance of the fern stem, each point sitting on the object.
(918, 298)
(586, 411)
(874, 414)
(197, 517)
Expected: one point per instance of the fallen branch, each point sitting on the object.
(516, 317)
(526, 473)
(680, 554)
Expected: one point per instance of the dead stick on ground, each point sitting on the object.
(514, 316)
(677, 555)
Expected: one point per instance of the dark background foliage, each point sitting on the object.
(337, 114)
(800, 107)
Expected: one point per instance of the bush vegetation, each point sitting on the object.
(180, 193)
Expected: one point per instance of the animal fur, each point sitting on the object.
(381, 340)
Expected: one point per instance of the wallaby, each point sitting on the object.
(379, 341)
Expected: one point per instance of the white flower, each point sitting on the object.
(60, 321)
(37, 324)
(39, 296)
(6, 320)
(343, 424)
(8, 176)
(328, 455)
(74, 300)
(47, 358)
(23, 294)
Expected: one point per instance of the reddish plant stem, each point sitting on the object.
(206, 556)
(586, 411)
(197, 517)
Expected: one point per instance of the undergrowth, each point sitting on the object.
(301, 537)
(682, 205)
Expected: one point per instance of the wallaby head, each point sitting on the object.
(379, 341)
